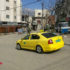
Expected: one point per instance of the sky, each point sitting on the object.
(47, 4)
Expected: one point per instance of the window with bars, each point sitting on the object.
(7, 0)
(7, 16)
(7, 8)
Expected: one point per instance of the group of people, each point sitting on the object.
(21, 30)
(26, 29)
(31, 27)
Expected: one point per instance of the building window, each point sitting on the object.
(7, 0)
(15, 2)
(39, 13)
(15, 9)
(15, 17)
(7, 8)
(7, 16)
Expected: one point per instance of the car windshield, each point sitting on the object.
(48, 35)
(64, 24)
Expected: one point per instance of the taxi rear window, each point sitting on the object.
(49, 35)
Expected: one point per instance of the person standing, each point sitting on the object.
(28, 29)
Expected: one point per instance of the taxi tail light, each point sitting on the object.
(50, 41)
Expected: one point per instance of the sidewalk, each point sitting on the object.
(67, 39)
(2, 34)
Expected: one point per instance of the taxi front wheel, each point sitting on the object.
(18, 47)
(39, 49)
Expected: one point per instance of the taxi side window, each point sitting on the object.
(26, 37)
(35, 36)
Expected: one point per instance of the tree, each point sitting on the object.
(60, 9)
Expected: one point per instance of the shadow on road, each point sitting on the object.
(26, 50)
(39, 53)
(52, 52)
(67, 44)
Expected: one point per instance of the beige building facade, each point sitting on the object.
(10, 11)
(38, 15)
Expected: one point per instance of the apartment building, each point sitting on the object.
(10, 11)
(38, 13)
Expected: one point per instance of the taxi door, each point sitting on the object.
(34, 39)
(25, 42)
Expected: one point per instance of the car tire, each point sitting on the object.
(39, 49)
(18, 47)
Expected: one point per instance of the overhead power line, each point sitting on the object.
(30, 3)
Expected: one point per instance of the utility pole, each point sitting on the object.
(28, 16)
(42, 15)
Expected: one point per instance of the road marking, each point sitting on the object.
(1, 63)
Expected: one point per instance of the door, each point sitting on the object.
(34, 39)
(25, 42)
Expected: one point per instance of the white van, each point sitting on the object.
(63, 27)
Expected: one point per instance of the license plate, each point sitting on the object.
(58, 40)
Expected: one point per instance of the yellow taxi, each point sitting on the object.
(41, 42)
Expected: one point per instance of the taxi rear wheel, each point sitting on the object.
(39, 49)
(18, 47)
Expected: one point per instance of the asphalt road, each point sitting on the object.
(13, 59)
